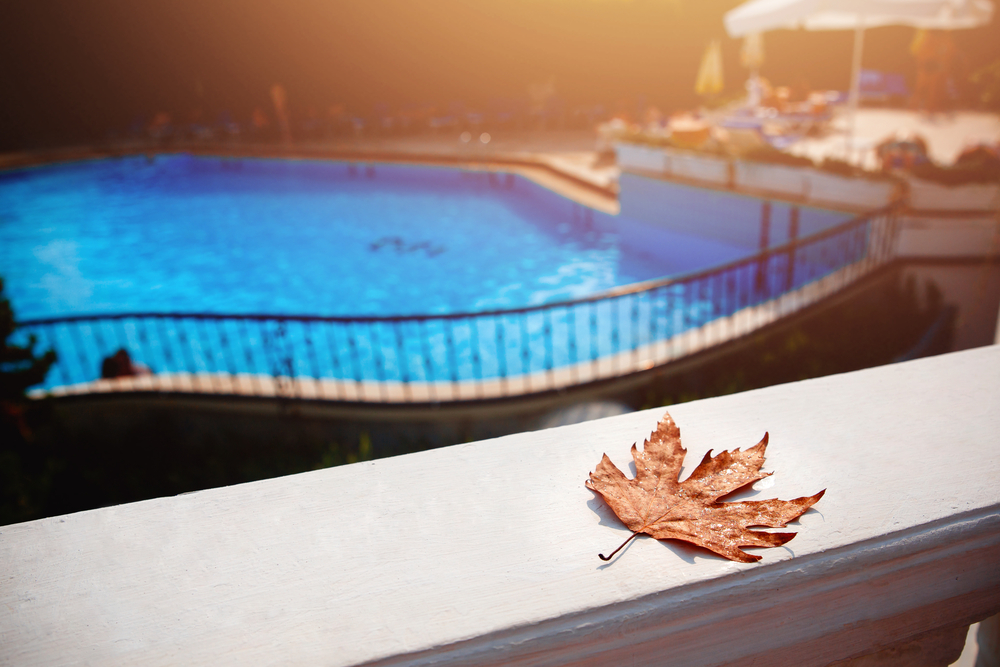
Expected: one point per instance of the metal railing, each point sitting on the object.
(466, 355)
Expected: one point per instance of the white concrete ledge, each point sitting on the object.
(761, 179)
(931, 196)
(486, 553)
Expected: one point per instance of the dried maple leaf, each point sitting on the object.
(657, 504)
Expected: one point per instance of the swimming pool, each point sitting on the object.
(355, 243)
(183, 233)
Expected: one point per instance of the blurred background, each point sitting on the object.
(75, 72)
(137, 82)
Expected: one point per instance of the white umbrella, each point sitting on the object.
(752, 57)
(857, 15)
(763, 15)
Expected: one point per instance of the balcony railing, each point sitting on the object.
(486, 553)
(465, 356)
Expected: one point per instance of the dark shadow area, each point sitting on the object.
(170, 70)
(894, 318)
(65, 455)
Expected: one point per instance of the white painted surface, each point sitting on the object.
(722, 215)
(795, 183)
(948, 237)
(815, 186)
(929, 196)
(486, 553)
(643, 158)
(858, 193)
(699, 167)
(772, 178)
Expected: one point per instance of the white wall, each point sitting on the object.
(715, 214)
(949, 236)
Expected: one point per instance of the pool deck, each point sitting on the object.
(565, 161)
(946, 134)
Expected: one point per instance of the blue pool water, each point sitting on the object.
(182, 234)
(193, 234)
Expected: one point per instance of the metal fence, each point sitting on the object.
(614, 333)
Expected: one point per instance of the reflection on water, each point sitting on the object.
(186, 234)
(63, 285)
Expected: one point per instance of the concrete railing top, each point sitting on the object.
(486, 553)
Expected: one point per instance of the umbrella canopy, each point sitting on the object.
(752, 57)
(763, 15)
(752, 51)
(857, 15)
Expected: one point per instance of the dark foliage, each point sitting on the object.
(891, 322)
(976, 166)
(164, 453)
(26, 468)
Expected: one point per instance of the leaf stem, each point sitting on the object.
(603, 557)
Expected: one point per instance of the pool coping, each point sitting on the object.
(537, 167)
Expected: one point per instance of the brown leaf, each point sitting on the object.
(655, 503)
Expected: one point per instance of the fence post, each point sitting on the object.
(765, 241)
(793, 238)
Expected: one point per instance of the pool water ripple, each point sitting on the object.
(220, 235)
